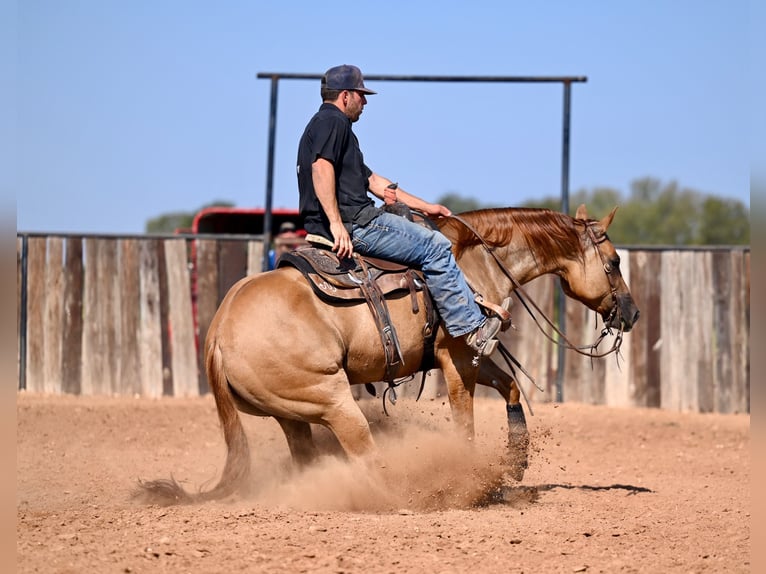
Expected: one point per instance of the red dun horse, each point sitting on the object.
(275, 349)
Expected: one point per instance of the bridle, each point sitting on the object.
(607, 269)
(529, 304)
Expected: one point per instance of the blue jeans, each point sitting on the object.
(393, 237)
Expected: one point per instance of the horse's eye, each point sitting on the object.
(613, 264)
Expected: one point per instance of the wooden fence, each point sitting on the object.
(126, 316)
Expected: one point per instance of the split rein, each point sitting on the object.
(527, 301)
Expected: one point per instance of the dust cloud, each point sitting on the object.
(423, 464)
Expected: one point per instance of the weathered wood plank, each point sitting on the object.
(19, 256)
(254, 257)
(528, 345)
(182, 339)
(738, 385)
(167, 354)
(743, 337)
(36, 259)
(593, 385)
(93, 347)
(53, 320)
(232, 264)
(73, 320)
(702, 316)
(579, 381)
(686, 381)
(110, 301)
(672, 342)
(207, 298)
(619, 387)
(101, 318)
(686, 364)
(149, 327)
(130, 315)
(645, 338)
(722, 325)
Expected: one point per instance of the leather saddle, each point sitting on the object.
(366, 279)
(337, 280)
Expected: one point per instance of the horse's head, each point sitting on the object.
(596, 279)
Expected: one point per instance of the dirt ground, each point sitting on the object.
(607, 490)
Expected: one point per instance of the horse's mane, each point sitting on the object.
(549, 234)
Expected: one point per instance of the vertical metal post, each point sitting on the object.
(23, 315)
(270, 173)
(565, 209)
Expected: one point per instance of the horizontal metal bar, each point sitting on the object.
(416, 78)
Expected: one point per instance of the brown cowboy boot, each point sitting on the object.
(483, 338)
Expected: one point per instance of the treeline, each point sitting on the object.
(179, 220)
(652, 214)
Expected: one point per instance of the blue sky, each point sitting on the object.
(128, 110)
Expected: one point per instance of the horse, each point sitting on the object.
(275, 349)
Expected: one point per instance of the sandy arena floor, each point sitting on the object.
(607, 490)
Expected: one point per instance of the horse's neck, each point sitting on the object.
(486, 275)
(524, 259)
(524, 262)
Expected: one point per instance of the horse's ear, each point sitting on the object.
(582, 213)
(607, 221)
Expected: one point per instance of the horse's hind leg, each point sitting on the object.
(346, 420)
(299, 439)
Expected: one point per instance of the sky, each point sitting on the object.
(124, 111)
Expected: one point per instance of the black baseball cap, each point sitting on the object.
(345, 77)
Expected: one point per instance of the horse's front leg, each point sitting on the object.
(460, 378)
(491, 375)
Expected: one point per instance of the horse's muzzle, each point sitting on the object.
(626, 314)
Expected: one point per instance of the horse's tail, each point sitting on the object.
(237, 467)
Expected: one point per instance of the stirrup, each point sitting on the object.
(487, 346)
(501, 311)
(507, 322)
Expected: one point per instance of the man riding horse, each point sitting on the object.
(334, 346)
(333, 181)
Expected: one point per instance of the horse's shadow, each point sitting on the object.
(523, 494)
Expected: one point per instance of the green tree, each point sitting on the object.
(459, 204)
(657, 214)
(723, 222)
(170, 222)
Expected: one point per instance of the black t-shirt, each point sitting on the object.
(328, 135)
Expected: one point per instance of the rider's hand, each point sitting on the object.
(437, 210)
(341, 241)
(389, 195)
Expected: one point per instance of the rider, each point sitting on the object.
(333, 181)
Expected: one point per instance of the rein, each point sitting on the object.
(523, 296)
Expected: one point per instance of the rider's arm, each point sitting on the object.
(378, 185)
(323, 176)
